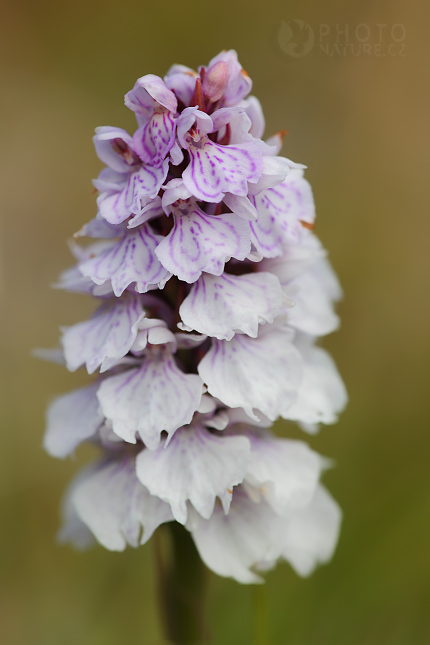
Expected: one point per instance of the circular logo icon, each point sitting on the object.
(295, 38)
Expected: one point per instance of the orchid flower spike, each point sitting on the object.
(212, 292)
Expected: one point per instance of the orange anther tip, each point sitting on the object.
(307, 225)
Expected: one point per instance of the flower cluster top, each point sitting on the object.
(212, 292)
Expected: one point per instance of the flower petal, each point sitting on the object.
(255, 113)
(117, 206)
(215, 170)
(182, 80)
(281, 211)
(241, 206)
(283, 471)
(200, 242)
(115, 506)
(221, 306)
(114, 146)
(109, 334)
(149, 93)
(313, 293)
(312, 533)
(150, 210)
(322, 394)
(158, 396)
(275, 169)
(261, 373)
(232, 544)
(153, 140)
(296, 259)
(131, 260)
(196, 466)
(71, 419)
(100, 228)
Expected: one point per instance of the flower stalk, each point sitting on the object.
(181, 587)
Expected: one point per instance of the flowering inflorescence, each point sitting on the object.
(212, 291)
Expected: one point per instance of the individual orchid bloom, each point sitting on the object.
(200, 242)
(212, 293)
(155, 106)
(252, 537)
(221, 306)
(237, 371)
(132, 260)
(153, 397)
(215, 169)
(196, 465)
(115, 506)
(126, 181)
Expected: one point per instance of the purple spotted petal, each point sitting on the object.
(215, 170)
(131, 260)
(261, 373)
(221, 306)
(158, 396)
(196, 466)
(115, 207)
(275, 169)
(281, 214)
(153, 140)
(148, 94)
(109, 334)
(200, 242)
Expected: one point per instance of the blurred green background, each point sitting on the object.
(358, 117)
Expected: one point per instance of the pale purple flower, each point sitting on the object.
(212, 293)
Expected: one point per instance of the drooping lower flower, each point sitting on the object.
(212, 294)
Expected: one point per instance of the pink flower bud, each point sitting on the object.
(215, 81)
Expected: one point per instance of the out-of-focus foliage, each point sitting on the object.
(360, 123)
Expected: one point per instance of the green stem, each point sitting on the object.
(181, 585)
(261, 617)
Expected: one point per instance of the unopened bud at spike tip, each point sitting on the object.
(215, 81)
